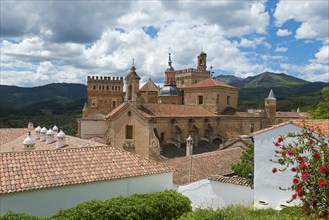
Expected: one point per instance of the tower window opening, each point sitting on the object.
(200, 100)
(94, 87)
(228, 100)
(107, 88)
(129, 132)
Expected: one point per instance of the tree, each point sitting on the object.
(322, 110)
(247, 162)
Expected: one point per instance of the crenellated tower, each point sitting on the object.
(104, 94)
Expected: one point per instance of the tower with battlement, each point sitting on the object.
(104, 94)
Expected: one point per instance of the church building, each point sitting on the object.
(144, 120)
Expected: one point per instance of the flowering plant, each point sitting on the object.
(307, 156)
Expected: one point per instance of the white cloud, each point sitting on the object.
(313, 15)
(281, 49)
(323, 55)
(283, 32)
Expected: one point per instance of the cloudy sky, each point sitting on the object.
(65, 41)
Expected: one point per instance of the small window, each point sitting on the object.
(112, 88)
(94, 87)
(119, 88)
(129, 132)
(114, 104)
(99, 88)
(228, 100)
(116, 88)
(200, 100)
(107, 88)
(102, 87)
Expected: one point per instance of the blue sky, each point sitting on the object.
(65, 41)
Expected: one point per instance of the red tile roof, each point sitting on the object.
(149, 86)
(233, 180)
(12, 140)
(321, 125)
(201, 166)
(22, 171)
(170, 110)
(210, 83)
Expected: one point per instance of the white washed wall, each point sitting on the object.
(266, 184)
(45, 202)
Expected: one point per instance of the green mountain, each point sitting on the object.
(291, 92)
(56, 98)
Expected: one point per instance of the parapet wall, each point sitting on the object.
(104, 79)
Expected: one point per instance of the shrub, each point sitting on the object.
(159, 205)
(19, 216)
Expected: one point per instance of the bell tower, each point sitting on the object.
(132, 85)
(270, 108)
(202, 61)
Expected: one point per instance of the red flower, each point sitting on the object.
(322, 168)
(301, 159)
(310, 142)
(280, 139)
(291, 152)
(299, 191)
(304, 176)
(317, 155)
(276, 144)
(303, 166)
(294, 196)
(274, 170)
(296, 181)
(322, 183)
(294, 169)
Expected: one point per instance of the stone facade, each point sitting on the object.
(104, 94)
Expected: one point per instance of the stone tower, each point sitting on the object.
(270, 108)
(132, 85)
(202, 61)
(104, 94)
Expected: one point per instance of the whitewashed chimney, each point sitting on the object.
(61, 139)
(28, 143)
(30, 125)
(189, 146)
(43, 132)
(37, 133)
(50, 136)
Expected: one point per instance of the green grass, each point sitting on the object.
(244, 213)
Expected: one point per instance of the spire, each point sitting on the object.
(133, 68)
(271, 95)
(170, 62)
(85, 106)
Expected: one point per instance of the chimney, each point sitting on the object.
(50, 136)
(37, 133)
(43, 132)
(189, 146)
(61, 139)
(28, 143)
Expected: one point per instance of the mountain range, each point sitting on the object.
(60, 98)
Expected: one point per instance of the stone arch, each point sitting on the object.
(130, 91)
(217, 140)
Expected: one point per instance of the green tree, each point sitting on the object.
(247, 162)
(322, 110)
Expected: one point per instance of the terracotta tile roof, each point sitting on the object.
(22, 171)
(117, 109)
(232, 179)
(12, 140)
(149, 86)
(318, 125)
(292, 115)
(9, 134)
(210, 83)
(201, 166)
(170, 110)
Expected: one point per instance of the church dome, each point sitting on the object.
(38, 129)
(169, 90)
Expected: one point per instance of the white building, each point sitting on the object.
(266, 184)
